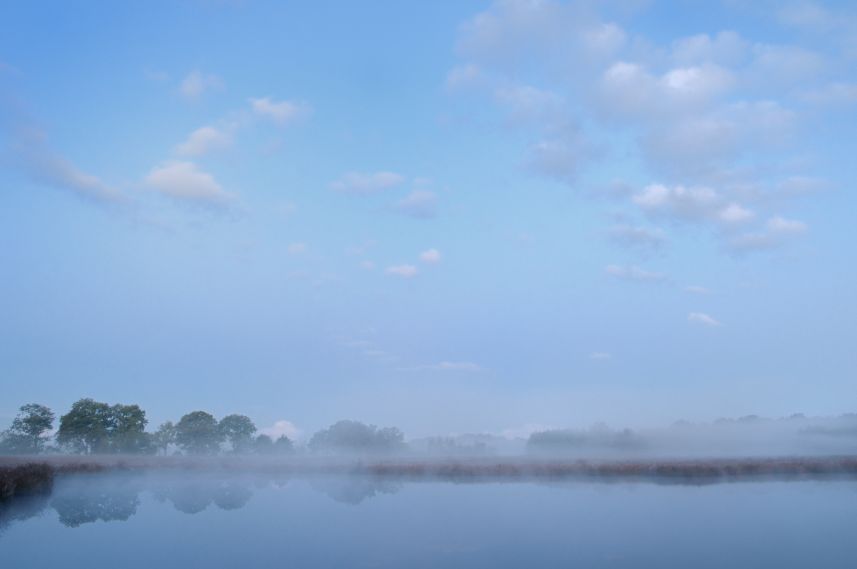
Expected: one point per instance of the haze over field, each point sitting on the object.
(458, 217)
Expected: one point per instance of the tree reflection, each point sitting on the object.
(354, 489)
(88, 498)
(22, 508)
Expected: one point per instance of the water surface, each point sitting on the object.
(175, 519)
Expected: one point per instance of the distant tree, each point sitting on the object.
(238, 430)
(86, 427)
(283, 445)
(164, 436)
(94, 427)
(127, 430)
(26, 434)
(353, 436)
(263, 444)
(198, 433)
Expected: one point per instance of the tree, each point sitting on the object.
(94, 427)
(127, 429)
(238, 430)
(198, 433)
(284, 445)
(263, 445)
(353, 436)
(25, 435)
(85, 428)
(164, 436)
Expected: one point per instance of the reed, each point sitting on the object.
(25, 479)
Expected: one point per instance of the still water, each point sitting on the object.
(164, 520)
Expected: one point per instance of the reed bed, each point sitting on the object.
(25, 479)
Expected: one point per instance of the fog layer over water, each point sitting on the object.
(217, 519)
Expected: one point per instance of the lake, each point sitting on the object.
(174, 519)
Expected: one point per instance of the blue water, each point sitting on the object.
(210, 520)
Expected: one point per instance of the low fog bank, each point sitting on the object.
(749, 436)
(94, 428)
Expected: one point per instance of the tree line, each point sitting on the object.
(94, 427)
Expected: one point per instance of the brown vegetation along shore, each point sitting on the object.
(25, 478)
(21, 474)
(662, 470)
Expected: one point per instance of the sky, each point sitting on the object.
(460, 216)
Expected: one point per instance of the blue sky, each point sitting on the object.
(446, 216)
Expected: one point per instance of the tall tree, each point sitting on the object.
(164, 436)
(238, 430)
(198, 433)
(94, 427)
(86, 427)
(127, 429)
(26, 434)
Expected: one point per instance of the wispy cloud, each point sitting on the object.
(366, 183)
(404, 271)
(203, 141)
(702, 318)
(280, 112)
(634, 273)
(419, 204)
(431, 256)
(45, 166)
(196, 83)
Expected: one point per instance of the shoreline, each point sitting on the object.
(21, 475)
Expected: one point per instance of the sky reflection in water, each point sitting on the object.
(171, 520)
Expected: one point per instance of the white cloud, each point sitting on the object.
(637, 237)
(696, 289)
(196, 83)
(545, 30)
(558, 157)
(457, 366)
(702, 318)
(775, 66)
(404, 271)
(782, 225)
(776, 232)
(634, 273)
(280, 112)
(690, 204)
(836, 93)
(678, 201)
(726, 48)
(808, 16)
(204, 140)
(630, 90)
(282, 428)
(430, 256)
(185, 181)
(734, 213)
(297, 248)
(367, 265)
(420, 204)
(366, 183)
(464, 77)
(527, 103)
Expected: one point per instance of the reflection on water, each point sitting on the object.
(217, 519)
(85, 498)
